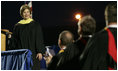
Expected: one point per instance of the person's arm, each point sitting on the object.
(13, 39)
(39, 42)
(53, 63)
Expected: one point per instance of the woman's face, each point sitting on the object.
(26, 14)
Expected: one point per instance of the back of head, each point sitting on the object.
(65, 38)
(87, 25)
(111, 13)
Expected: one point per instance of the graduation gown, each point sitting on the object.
(95, 55)
(81, 43)
(69, 59)
(54, 62)
(29, 36)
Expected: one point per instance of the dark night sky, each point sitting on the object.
(54, 16)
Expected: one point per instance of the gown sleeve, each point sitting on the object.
(13, 40)
(39, 39)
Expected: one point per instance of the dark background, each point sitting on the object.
(54, 16)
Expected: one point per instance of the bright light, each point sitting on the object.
(78, 16)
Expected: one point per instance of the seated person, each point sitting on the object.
(70, 58)
(65, 38)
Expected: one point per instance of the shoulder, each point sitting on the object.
(98, 40)
(99, 35)
(16, 25)
(35, 23)
(97, 43)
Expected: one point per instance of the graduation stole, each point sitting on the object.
(25, 21)
(112, 50)
(61, 51)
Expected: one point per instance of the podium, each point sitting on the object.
(16, 60)
(3, 42)
(4, 37)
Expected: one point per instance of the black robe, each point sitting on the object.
(81, 43)
(29, 36)
(54, 62)
(69, 59)
(95, 55)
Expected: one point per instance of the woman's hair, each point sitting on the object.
(23, 7)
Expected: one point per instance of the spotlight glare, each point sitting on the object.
(78, 16)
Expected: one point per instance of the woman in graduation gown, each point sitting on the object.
(27, 34)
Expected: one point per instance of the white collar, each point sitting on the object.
(64, 47)
(112, 26)
(85, 35)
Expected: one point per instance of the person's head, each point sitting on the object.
(87, 25)
(111, 13)
(25, 11)
(65, 38)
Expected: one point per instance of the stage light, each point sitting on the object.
(78, 16)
